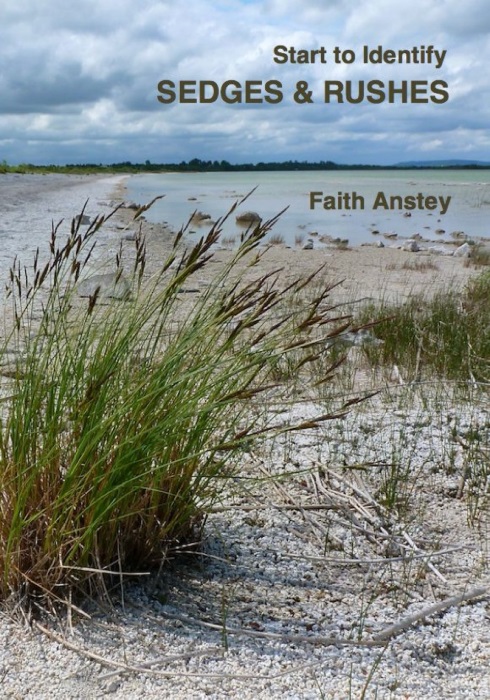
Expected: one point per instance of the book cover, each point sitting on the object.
(276, 473)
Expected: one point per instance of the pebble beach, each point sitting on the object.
(303, 587)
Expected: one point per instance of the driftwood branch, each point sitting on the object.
(407, 622)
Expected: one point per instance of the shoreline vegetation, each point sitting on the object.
(123, 417)
(198, 165)
(255, 472)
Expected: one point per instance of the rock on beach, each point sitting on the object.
(248, 217)
(110, 285)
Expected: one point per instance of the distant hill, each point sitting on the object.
(453, 163)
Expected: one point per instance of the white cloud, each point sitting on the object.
(86, 74)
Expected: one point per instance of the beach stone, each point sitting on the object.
(132, 205)
(111, 287)
(411, 246)
(308, 245)
(199, 216)
(440, 250)
(463, 251)
(248, 217)
(83, 220)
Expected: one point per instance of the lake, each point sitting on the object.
(214, 193)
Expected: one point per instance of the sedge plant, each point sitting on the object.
(122, 420)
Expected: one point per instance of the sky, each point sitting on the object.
(78, 81)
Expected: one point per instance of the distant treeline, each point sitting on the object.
(198, 165)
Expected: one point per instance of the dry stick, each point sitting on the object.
(276, 506)
(429, 564)
(122, 667)
(354, 521)
(288, 498)
(165, 660)
(381, 509)
(378, 560)
(284, 638)
(371, 536)
(404, 624)
(143, 668)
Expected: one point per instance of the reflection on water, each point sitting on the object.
(214, 193)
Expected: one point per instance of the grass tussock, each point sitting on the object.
(446, 336)
(480, 257)
(276, 239)
(122, 421)
(419, 265)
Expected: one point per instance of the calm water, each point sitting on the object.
(213, 193)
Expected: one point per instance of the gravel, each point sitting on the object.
(278, 578)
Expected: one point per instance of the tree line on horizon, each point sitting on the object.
(199, 165)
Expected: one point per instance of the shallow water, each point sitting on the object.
(214, 193)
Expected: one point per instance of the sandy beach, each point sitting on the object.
(290, 597)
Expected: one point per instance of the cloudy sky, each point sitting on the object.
(78, 81)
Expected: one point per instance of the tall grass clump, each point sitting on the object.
(446, 335)
(121, 420)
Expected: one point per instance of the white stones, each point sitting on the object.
(411, 246)
(463, 251)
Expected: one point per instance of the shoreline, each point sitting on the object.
(365, 271)
(289, 593)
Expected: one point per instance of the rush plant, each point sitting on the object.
(121, 420)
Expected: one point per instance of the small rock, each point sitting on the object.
(199, 216)
(248, 217)
(110, 285)
(411, 246)
(463, 251)
(308, 245)
(82, 220)
(440, 250)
